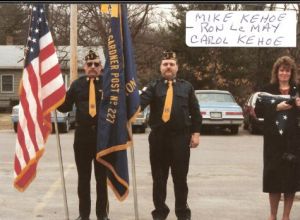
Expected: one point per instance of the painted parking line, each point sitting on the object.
(6, 130)
(51, 192)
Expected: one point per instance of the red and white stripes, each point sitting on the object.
(42, 90)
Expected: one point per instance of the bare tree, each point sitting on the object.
(147, 24)
(58, 16)
(14, 23)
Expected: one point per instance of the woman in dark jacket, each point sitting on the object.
(281, 146)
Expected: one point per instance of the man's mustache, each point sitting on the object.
(93, 71)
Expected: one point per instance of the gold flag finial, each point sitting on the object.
(104, 8)
(112, 9)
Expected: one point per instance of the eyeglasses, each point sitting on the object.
(89, 64)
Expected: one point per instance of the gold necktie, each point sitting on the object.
(168, 103)
(92, 98)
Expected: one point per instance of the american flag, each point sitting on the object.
(281, 116)
(42, 90)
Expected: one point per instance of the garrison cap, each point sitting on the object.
(167, 54)
(91, 56)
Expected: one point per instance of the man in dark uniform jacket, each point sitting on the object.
(175, 122)
(86, 93)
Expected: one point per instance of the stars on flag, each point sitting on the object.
(281, 116)
(36, 30)
(281, 121)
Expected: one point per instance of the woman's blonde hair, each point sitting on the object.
(286, 62)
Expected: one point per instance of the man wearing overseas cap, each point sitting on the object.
(175, 122)
(86, 92)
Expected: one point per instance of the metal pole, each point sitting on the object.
(136, 212)
(61, 167)
(73, 43)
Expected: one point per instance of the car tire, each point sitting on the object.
(16, 127)
(64, 127)
(246, 125)
(143, 129)
(53, 128)
(72, 125)
(234, 129)
(139, 129)
(251, 128)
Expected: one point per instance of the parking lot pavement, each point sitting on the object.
(5, 121)
(225, 182)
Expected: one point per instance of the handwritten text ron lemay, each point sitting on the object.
(241, 28)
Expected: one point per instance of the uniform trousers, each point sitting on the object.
(169, 149)
(85, 155)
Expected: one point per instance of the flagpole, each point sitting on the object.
(129, 126)
(73, 43)
(61, 167)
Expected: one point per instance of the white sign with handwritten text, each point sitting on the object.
(241, 28)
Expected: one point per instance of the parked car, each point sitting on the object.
(141, 122)
(219, 109)
(64, 120)
(251, 123)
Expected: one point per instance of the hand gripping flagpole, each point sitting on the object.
(61, 167)
(129, 126)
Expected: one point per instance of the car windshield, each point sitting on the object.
(214, 97)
